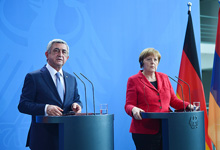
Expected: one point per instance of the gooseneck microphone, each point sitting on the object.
(181, 90)
(188, 87)
(92, 91)
(85, 90)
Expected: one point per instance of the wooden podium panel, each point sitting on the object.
(83, 132)
(181, 130)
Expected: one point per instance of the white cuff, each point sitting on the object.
(45, 109)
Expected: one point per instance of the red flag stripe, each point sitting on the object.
(196, 88)
(214, 98)
(190, 73)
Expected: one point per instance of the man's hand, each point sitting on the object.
(76, 108)
(53, 110)
(136, 113)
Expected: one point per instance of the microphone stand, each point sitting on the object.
(92, 91)
(182, 92)
(85, 90)
(189, 89)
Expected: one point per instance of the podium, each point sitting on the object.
(83, 132)
(181, 130)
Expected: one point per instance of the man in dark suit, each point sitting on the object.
(47, 93)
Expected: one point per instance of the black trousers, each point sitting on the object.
(147, 141)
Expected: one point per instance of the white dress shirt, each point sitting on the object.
(53, 75)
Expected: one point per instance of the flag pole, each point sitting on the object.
(189, 7)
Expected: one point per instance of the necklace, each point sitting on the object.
(150, 78)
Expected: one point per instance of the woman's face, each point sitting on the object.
(150, 63)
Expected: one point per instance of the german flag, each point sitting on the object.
(190, 73)
(214, 96)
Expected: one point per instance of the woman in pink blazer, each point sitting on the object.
(149, 91)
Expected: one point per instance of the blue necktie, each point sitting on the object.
(59, 86)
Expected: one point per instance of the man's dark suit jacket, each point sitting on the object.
(39, 90)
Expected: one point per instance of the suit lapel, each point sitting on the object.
(145, 81)
(159, 81)
(49, 81)
(66, 79)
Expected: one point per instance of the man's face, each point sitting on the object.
(58, 55)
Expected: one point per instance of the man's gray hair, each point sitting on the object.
(57, 41)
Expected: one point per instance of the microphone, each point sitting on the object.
(182, 92)
(92, 91)
(188, 87)
(145, 98)
(145, 95)
(85, 90)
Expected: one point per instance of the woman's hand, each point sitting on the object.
(137, 113)
(191, 107)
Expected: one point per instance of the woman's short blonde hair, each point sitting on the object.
(148, 52)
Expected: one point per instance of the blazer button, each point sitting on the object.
(158, 94)
(160, 107)
(159, 100)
